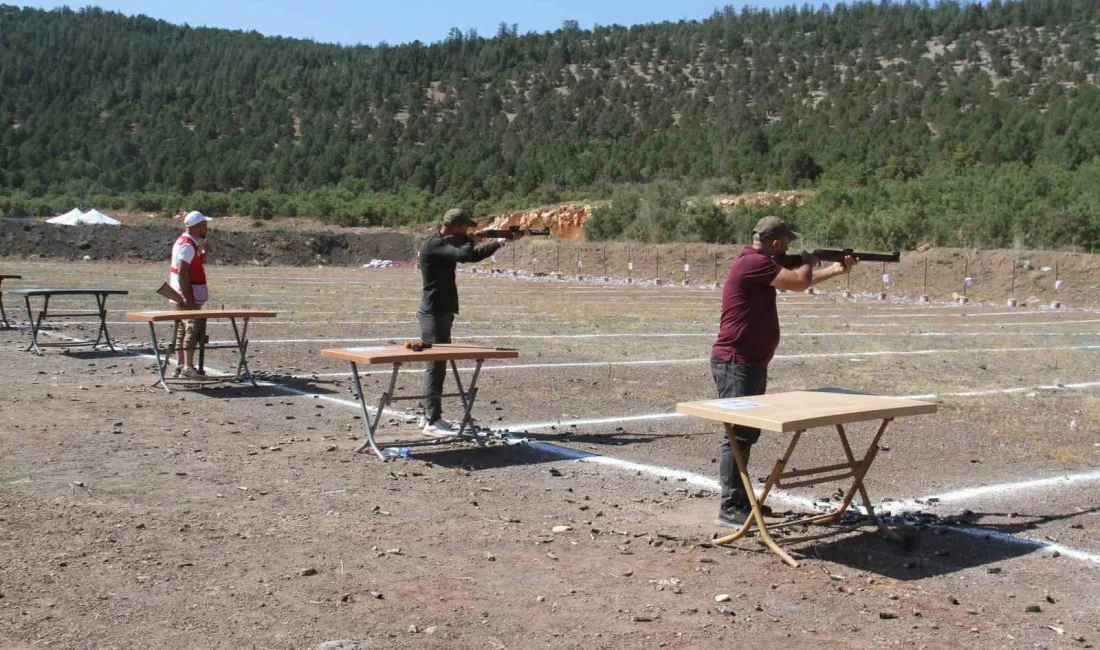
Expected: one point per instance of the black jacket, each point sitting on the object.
(438, 258)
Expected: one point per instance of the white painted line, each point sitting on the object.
(527, 426)
(654, 335)
(662, 362)
(710, 484)
(971, 494)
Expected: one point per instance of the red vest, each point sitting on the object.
(198, 275)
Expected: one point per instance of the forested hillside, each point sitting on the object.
(956, 124)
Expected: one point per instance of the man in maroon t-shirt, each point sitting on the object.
(748, 336)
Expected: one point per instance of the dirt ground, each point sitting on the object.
(239, 517)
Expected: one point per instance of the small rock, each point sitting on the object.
(430, 630)
(887, 615)
(308, 571)
(490, 557)
(646, 617)
(377, 594)
(561, 529)
(1033, 609)
(341, 644)
(722, 598)
(413, 629)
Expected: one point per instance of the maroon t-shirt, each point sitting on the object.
(749, 331)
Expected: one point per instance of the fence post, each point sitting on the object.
(924, 294)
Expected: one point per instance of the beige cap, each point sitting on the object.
(771, 227)
(458, 217)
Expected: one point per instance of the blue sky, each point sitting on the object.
(402, 21)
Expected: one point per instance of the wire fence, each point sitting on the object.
(938, 274)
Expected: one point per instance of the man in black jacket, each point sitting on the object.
(439, 254)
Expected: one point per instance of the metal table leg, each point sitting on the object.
(3, 314)
(370, 426)
(861, 472)
(101, 303)
(241, 336)
(856, 469)
(156, 352)
(36, 324)
(757, 515)
(467, 397)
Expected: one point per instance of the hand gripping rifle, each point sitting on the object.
(836, 255)
(512, 232)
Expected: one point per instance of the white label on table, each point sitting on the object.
(733, 404)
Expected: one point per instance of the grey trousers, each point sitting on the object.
(434, 328)
(736, 380)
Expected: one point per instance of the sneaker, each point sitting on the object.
(190, 372)
(736, 516)
(744, 505)
(176, 372)
(732, 518)
(439, 428)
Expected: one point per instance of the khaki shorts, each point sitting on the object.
(188, 336)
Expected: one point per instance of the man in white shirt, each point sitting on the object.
(188, 277)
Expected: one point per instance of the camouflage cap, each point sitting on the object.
(771, 227)
(458, 217)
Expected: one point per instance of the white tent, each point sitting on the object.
(69, 218)
(89, 218)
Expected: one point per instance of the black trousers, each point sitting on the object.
(434, 328)
(736, 380)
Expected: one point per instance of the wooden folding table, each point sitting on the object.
(100, 296)
(795, 412)
(178, 316)
(398, 355)
(4, 314)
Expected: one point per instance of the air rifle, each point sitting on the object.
(512, 232)
(837, 255)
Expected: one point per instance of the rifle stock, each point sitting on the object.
(836, 255)
(170, 293)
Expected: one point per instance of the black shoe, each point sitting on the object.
(732, 518)
(738, 504)
(736, 516)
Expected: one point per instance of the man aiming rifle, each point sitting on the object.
(440, 253)
(748, 336)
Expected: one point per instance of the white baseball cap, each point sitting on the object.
(194, 218)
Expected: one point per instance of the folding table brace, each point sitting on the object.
(36, 323)
(854, 469)
(241, 345)
(467, 396)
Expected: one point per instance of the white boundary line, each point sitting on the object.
(660, 335)
(526, 426)
(708, 483)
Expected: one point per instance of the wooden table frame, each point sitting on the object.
(100, 296)
(398, 355)
(177, 317)
(4, 314)
(859, 408)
